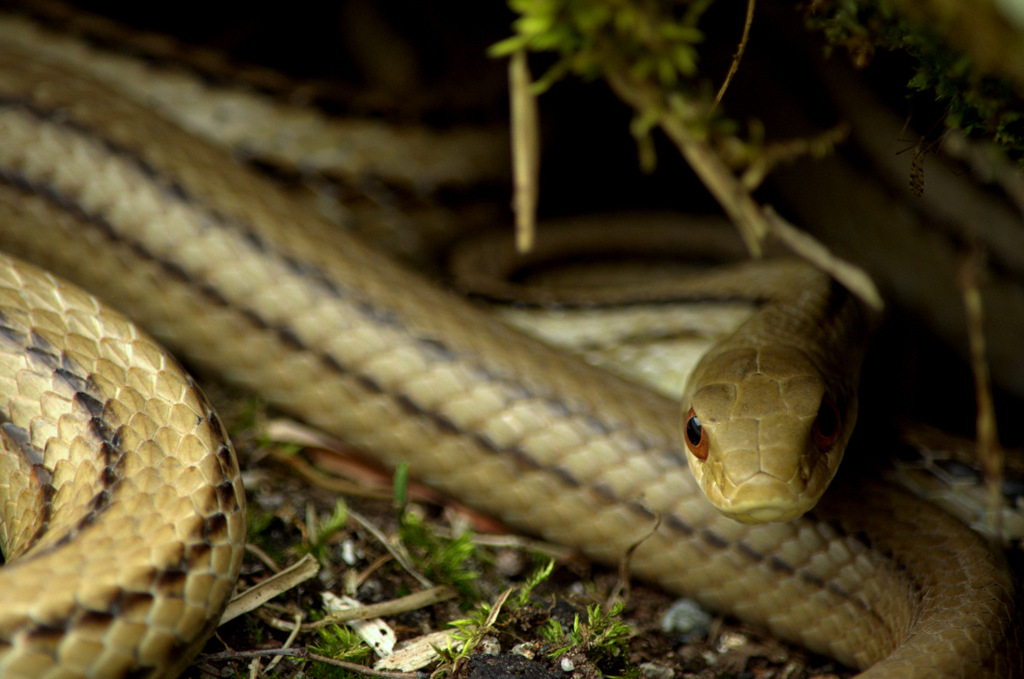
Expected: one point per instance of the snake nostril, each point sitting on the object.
(826, 425)
(696, 439)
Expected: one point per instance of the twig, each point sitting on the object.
(251, 599)
(292, 636)
(365, 574)
(396, 550)
(304, 437)
(509, 541)
(525, 150)
(735, 65)
(753, 221)
(777, 153)
(263, 556)
(622, 586)
(410, 602)
(990, 452)
(802, 243)
(305, 654)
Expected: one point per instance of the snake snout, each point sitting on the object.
(764, 498)
(754, 480)
(764, 435)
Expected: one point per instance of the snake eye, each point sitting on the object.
(696, 439)
(826, 425)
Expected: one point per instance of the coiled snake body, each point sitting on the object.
(227, 271)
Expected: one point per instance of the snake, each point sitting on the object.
(769, 408)
(123, 512)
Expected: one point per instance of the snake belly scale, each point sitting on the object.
(228, 272)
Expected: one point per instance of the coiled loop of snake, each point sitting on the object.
(123, 510)
(241, 281)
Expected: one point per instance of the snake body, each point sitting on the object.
(769, 407)
(223, 268)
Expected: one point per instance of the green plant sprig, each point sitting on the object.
(602, 637)
(656, 40)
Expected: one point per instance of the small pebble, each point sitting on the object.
(527, 649)
(490, 646)
(348, 553)
(651, 670)
(730, 640)
(687, 620)
(510, 562)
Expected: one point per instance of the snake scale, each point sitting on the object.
(143, 525)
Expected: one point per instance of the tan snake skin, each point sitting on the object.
(758, 397)
(224, 269)
(761, 399)
(124, 513)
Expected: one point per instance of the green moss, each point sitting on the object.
(321, 531)
(980, 105)
(446, 561)
(657, 41)
(340, 643)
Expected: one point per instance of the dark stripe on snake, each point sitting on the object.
(379, 316)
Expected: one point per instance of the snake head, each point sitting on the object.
(765, 432)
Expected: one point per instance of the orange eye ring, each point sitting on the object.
(696, 438)
(827, 425)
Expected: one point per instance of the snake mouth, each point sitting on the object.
(764, 498)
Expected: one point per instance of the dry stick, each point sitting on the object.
(405, 604)
(251, 599)
(292, 636)
(409, 602)
(622, 588)
(263, 556)
(314, 475)
(753, 221)
(304, 654)
(525, 150)
(716, 176)
(334, 484)
(519, 542)
(802, 243)
(777, 153)
(735, 65)
(990, 452)
(365, 574)
(396, 550)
